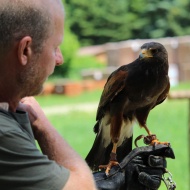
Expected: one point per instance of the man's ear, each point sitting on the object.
(24, 50)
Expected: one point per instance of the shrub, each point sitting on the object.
(68, 48)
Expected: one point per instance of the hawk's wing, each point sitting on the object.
(114, 85)
(164, 94)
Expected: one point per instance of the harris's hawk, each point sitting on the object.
(130, 93)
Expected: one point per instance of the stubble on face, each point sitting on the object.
(31, 78)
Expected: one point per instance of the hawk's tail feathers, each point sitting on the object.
(98, 154)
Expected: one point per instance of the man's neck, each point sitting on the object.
(8, 95)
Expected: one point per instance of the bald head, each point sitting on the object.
(21, 18)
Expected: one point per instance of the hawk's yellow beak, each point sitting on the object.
(145, 53)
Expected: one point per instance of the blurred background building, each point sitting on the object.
(116, 54)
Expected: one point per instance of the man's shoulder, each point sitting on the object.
(8, 123)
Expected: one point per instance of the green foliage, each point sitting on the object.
(73, 64)
(68, 48)
(105, 21)
(83, 62)
(100, 21)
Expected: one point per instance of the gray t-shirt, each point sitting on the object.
(22, 165)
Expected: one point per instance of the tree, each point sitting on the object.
(97, 21)
(68, 48)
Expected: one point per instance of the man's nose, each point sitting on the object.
(59, 57)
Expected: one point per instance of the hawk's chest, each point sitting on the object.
(151, 80)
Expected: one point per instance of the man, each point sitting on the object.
(30, 35)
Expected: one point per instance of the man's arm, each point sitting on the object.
(56, 148)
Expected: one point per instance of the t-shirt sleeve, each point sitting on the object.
(24, 167)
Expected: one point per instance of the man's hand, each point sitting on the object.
(29, 105)
(36, 115)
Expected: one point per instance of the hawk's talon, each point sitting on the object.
(138, 138)
(155, 142)
(108, 166)
(150, 140)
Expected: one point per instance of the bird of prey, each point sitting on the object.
(129, 94)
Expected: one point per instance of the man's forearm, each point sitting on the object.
(56, 148)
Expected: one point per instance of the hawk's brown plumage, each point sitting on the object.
(129, 94)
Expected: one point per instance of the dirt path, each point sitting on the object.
(86, 107)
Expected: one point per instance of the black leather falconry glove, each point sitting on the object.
(141, 169)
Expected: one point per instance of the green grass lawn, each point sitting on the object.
(168, 120)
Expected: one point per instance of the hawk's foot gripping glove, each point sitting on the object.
(142, 169)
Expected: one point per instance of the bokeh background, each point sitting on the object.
(99, 37)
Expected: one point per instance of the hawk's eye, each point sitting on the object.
(153, 51)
